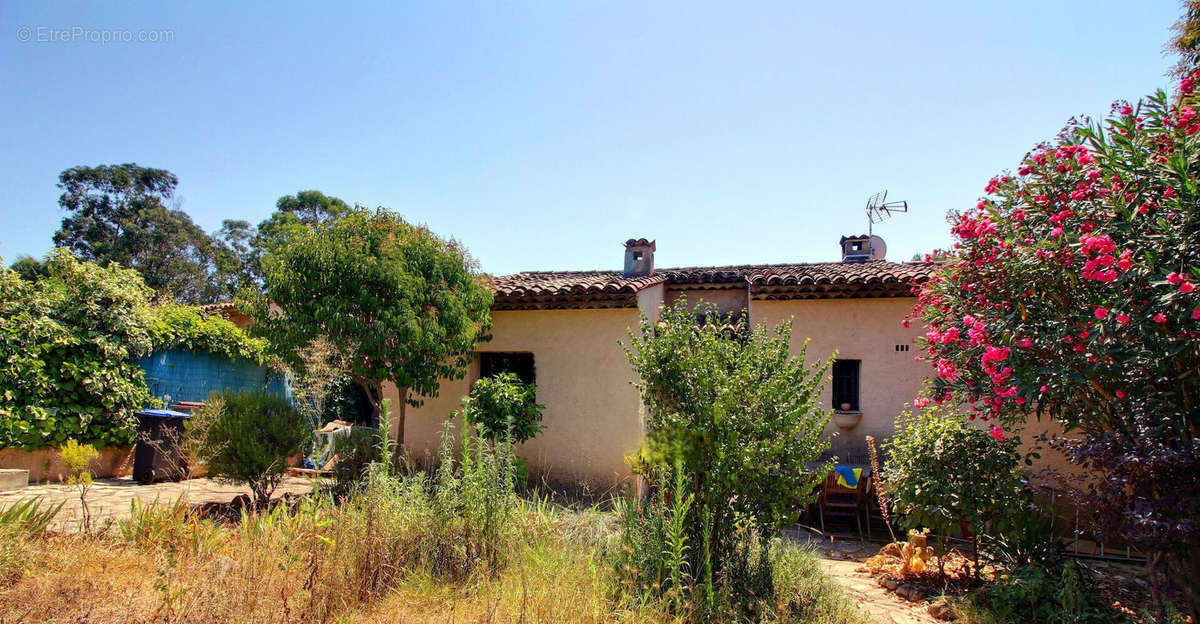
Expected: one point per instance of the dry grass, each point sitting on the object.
(266, 575)
(383, 556)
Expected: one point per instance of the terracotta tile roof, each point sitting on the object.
(849, 273)
(559, 289)
(557, 283)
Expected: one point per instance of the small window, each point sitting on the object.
(845, 384)
(519, 364)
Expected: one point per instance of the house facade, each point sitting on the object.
(564, 330)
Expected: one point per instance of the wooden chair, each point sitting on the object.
(840, 501)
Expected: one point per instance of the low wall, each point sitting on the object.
(46, 464)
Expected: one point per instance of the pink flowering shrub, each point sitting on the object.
(1070, 294)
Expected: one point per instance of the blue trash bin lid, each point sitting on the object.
(163, 413)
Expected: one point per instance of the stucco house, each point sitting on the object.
(561, 330)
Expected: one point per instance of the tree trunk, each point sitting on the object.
(399, 410)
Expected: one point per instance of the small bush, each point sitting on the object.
(504, 408)
(945, 471)
(247, 438)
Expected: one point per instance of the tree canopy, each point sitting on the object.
(122, 214)
(406, 305)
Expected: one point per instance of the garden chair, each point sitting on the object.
(838, 500)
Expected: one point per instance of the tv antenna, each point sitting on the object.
(879, 209)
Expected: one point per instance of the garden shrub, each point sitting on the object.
(65, 349)
(247, 438)
(733, 424)
(503, 407)
(67, 344)
(944, 471)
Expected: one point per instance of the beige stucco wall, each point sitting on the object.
(728, 300)
(583, 378)
(858, 329)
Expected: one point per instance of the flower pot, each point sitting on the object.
(847, 420)
(845, 407)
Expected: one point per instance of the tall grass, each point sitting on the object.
(450, 544)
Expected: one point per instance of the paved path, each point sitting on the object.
(109, 498)
(840, 558)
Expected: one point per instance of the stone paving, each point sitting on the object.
(109, 499)
(840, 558)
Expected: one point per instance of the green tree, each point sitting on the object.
(1185, 42)
(731, 409)
(29, 268)
(121, 214)
(406, 306)
(235, 259)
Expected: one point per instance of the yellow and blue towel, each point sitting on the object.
(848, 477)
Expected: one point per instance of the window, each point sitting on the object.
(845, 384)
(519, 364)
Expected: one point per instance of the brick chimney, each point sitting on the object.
(639, 257)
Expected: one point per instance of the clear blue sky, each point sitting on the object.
(544, 134)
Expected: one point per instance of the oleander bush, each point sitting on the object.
(1071, 295)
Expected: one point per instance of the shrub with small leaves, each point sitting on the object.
(248, 438)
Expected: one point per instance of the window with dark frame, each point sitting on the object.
(519, 364)
(845, 384)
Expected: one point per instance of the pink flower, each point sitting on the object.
(921, 403)
(1160, 318)
(1126, 110)
(1024, 343)
(995, 354)
(1122, 318)
(1196, 314)
(906, 323)
(951, 336)
(1126, 260)
(1174, 278)
(1056, 232)
(997, 433)
(968, 319)
(1101, 312)
(1120, 394)
(1187, 287)
(947, 370)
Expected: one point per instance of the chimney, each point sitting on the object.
(862, 248)
(639, 257)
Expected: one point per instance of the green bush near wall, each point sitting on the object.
(67, 342)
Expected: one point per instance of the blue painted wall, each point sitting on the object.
(187, 376)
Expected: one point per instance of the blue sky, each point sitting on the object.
(543, 135)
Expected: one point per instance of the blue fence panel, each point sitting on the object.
(187, 376)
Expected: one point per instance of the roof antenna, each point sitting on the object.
(879, 209)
